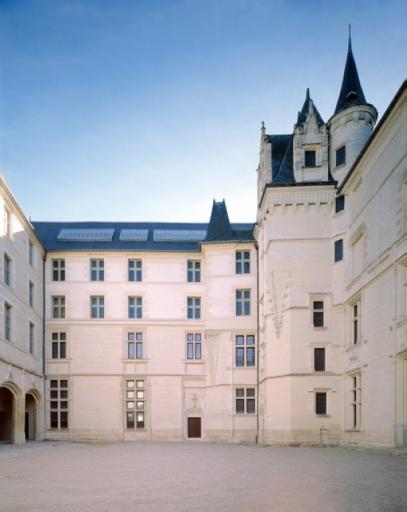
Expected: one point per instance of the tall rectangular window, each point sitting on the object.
(58, 403)
(30, 253)
(194, 345)
(58, 341)
(339, 204)
(58, 269)
(58, 306)
(356, 323)
(7, 321)
(97, 306)
(356, 402)
(245, 400)
(135, 404)
(31, 293)
(242, 262)
(320, 403)
(31, 337)
(7, 269)
(134, 345)
(245, 350)
(310, 158)
(340, 156)
(242, 302)
(135, 270)
(97, 269)
(319, 359)
(193, 271)
(318, 313)
(135, 307)
(194, 308)
(339, 250)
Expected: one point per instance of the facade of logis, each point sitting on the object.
(289, 330)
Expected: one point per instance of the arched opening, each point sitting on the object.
(7, 408)
(30, 417)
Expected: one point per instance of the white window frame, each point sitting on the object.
(31, 293)
(193, 346)
(241, 260)
(97, 307)
(58, 306)
(8, 270)
(135, 307)
(135, 398)
(97, 269)
(31, 337)
(243, 305)
(58, 269)
(194, 305)
(8, 321)
(30, 252)
(245, 395)
(193, 271)
(59, 342)
(355, 401)
(135, 345)
(245, 346)
(134, 270)
(58, 402)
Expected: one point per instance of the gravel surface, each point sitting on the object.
(193, 476)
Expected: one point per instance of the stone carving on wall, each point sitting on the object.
(278, 283)
(213, 346)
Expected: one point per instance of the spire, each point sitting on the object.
(308, 104)
(351, 91)
(219, 228)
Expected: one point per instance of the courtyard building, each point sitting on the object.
(292, 329)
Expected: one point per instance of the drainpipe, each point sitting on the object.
(44, 259)
(257, 346)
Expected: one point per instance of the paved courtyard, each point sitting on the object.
(138, 477)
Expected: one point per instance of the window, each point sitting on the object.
(135, 270)
(97, 270)
(30, 253)
(245, 350)
(97, 307)
(135, 404)
(58, 403)
(310, 158)
(318, 313)
(245, 399)
(58, 306)
(58, 269)
(194, 308)
(356, 323)
(31, 293)
(134, 345)
(339, 250)
(242, 302)
(58, 341)
(340, 156)
(7, 222)
(319, 359)
(339, 204)
(242, 262)
(7, 269)
(135, 307)
(194, 345)
(31, 338)
(193, 271)
(7, 321)
(356, 402)
(320, 403)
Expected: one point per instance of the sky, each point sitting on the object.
(147, 110)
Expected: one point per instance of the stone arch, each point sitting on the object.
(10, 406)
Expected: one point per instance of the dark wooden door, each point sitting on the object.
(194, 427)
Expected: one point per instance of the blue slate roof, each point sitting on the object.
(48, 233)
(219, 228)
(302, 115)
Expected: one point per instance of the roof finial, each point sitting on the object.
(307, 96)
(263, 130)
(350, 39)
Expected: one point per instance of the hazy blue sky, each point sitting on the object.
(147, 110)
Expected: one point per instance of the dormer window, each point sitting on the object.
(310, 158)
(341, 156)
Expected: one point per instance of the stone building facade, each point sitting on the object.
(289, 330)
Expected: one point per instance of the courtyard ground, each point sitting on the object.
(149, 477)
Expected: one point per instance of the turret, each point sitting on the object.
(352, 123)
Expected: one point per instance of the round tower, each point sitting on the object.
(352, 122)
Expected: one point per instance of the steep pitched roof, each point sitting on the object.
(351, 91)
(219, 228)
(279, 144)
(309, 104)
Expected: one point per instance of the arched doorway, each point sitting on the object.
(30, 417)
(7, 412)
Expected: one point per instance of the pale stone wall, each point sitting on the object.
(176, 388)
(21, 369)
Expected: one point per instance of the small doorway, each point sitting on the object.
(6, 415)
(194, 428)
(30, 414)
